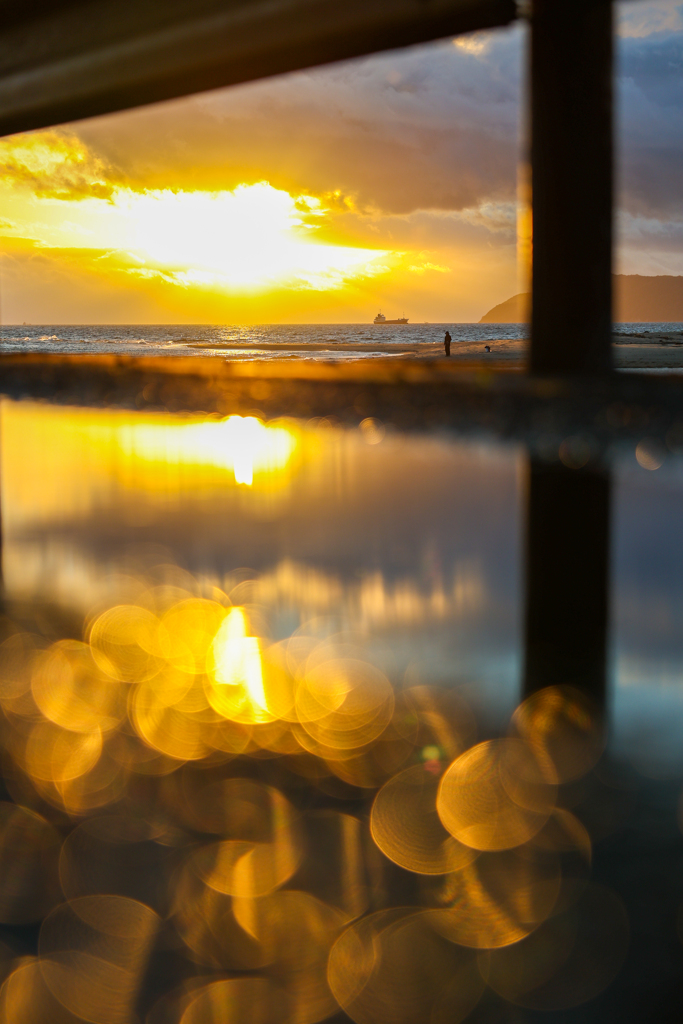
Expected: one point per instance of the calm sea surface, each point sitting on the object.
(177, 339)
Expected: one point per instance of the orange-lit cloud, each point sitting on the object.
(389, 182)
(253, 239)
(318, 196)
(81, 246)
(55, 165)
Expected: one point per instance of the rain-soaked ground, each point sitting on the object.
(271, 749)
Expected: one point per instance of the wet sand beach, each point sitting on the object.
(631, 351)
(660, 351)
(649, 346)
(636, 346)
(415, 348)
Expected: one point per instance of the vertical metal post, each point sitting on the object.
(567, 578)
(571, 160)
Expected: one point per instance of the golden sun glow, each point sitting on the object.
(235, 665)
(92, 232)
(150, 454)
(239, 443)
(253, 236)
(249, 238)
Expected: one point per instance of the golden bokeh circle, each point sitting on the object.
(405, 825)
(495, 796)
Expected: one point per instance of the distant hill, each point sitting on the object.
(637, 299)
(513, 311)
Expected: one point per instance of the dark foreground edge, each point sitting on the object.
(540, 412)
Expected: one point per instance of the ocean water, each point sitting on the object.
(249, 341)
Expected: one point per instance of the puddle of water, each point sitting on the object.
(259, 684)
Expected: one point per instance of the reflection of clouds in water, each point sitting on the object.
(411, 541)
(373, 602)
(196, 745)
(58, 572)
(239, 443)
(83, 460)
(453, 629)
(203, 716)
(405, 505)
(183, 741)
(647, 669)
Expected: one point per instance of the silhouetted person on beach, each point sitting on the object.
(447, 343)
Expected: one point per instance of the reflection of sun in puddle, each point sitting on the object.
(240, 443)
(191, 702)
(61, 462)
(237, 666)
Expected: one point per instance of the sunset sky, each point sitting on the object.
(324, 195)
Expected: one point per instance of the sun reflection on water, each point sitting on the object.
(168, 772)
(82, 457)
(210, 819)
(242, 444)
(235, 659)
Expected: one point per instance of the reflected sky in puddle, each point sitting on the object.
(282, 739)
(412, 543)
(647, 614)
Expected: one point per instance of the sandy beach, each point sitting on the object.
(415, 348)
(651, 351)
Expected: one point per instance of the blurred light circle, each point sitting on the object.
(496, 796)
(406, 827)
(496, 900)
(393, 967)
(569, 960)
(575, 452)
(562, 725)
(372, 430)
(650, 454)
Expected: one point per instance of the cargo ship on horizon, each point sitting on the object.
(381, 319)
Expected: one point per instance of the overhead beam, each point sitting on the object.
(571, 167)
(62, 60)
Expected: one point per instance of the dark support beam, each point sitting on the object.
(571, 161)
(567, 576)
(61, 60)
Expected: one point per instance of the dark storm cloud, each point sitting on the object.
(432, 127)
(650, 136)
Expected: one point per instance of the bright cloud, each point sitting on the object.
(252, 236)
(57, 165)
(637, 20)
(323, 195)
(314, 197)
(249, 237)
